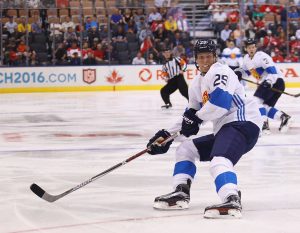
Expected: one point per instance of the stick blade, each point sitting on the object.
(37, 190)
(297, 95)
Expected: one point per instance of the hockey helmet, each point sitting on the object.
(250, 41)
(205, 45)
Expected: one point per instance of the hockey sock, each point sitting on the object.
(225, 178)
(185, 167)
(273, 113)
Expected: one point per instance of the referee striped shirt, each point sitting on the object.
(173, 67)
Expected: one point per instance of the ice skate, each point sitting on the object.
(232, 208)
(266, 128)
(177, 200)
(166, 106)
(285, 123)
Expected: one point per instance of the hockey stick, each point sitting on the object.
(273, 89)
(52, 198)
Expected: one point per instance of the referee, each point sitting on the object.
(173, 74)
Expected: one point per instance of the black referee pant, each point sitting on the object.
(177, 82)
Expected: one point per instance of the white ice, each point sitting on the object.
(59, 140)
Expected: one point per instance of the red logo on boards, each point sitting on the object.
(89, 75)
(145, 74)
(114, 77)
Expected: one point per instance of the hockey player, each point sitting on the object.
(173, 74)
(214, 95)
(261, 66)
(232, 55)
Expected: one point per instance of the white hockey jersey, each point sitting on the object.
(261, 67)
(219, 97)
(232, 56)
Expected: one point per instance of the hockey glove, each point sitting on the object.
(266, 84)
(154, 143)
(190, 123)
(239, 73)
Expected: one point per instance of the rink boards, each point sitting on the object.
(103, 78)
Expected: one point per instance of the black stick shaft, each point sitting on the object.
(273, 89)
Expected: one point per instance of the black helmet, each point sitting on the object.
(205, 45)
(250, 41)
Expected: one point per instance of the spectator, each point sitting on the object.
(154, 16)
(93, 34)
(56, 31)
(178, 50)
(119, 35)
(151, 59)
(73, 49)
(291, 57)
(60, 54)
(140, 25)
(182, 24)
(90, 59)
(138, 15)
(11, 26)
(116, 18)
(99, 53)
(219, 18)
(23, 27)
(75, 59)
(70, 35)
(138, 60)
(225, 35)
(36, 26)
(127, 16)
(233, 17)
(67, 23)
(144, 33)
(90, 23)
(276, 56)
(170, 24)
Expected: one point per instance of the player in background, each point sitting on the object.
(173, 74)
(232, 55)
(214, 95)
(261, 66)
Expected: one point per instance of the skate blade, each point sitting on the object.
(215, 214)
(180, 205)
(285, 128)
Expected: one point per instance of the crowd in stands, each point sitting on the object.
(274, 24)
(138, 35)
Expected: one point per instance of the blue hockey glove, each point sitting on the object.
(190, 123)
(154, 143)
(239, 73)
(266, 84)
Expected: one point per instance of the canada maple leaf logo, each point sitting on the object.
(114, 77)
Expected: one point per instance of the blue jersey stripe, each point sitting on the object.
(243, 108)
(271, 70)
(238, 111)
(260, 70)
(185, 167)
(221, 98)
(248, 72)
(225, 178)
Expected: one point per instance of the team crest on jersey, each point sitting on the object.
(254, 74)
(205, 97)
(89, 75)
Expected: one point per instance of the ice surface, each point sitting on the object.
(59, 140)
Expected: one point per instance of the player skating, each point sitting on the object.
(261, 66)
(215, 95)
(173, 73)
